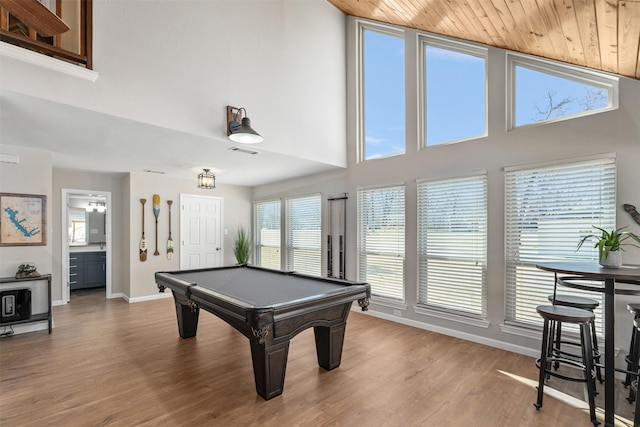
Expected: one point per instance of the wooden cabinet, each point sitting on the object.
(87, 270)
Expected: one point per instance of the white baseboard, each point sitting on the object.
(117, 295)
(147, 297)
(531, 352)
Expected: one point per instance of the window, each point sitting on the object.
(542, 91)
(382, 104)
(547, 211)
(267, 234)
(304, 235)
(452, 237)
(454, 91)
(381, 240)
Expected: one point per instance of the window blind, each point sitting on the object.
(304, 234)
(381, 225)
(452, 245)
(267, 234)
(547, 211)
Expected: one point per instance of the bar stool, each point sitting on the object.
(582, 318)
(585, 304)
(634, 351)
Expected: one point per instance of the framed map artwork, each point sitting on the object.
(23, 220)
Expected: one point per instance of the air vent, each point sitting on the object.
(243, 150)
(9, 158)
(150, 171)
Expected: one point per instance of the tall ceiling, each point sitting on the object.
(599, 34)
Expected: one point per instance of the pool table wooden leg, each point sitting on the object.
(329, 341)
(269, 366)
(187, 319)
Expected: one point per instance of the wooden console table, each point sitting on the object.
(38, 317)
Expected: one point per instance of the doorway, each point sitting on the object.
(86, 241)
(200, 231)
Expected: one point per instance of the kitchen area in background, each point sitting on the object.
(87, 242)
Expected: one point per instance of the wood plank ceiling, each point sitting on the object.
(599, 34)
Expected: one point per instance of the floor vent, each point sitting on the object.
(243, 150)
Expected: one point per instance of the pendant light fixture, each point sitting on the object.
(207, 180)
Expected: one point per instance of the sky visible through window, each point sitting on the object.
(455, 88)
(384, 107)
(455, 92)
(541, 96)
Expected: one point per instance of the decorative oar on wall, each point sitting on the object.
(143, 241)
(633, 212)
(170, 241)
(156, 213)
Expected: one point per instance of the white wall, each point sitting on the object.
(611, 132)
(178, 64)
(30, 176)
(139, 282)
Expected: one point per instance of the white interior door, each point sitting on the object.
(200, 231)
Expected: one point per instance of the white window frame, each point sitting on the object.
(460, 252)
(290, 249)
(257, 243)
(608, 82)
(398, 301)
(455, 46)
(520, 259)
(361, 26)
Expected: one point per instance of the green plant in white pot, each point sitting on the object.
(609, 244)
(242, 246)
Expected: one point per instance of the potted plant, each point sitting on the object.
(609, 245)
(27, 270)
(242, 246)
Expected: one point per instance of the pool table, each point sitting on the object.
(269, 307)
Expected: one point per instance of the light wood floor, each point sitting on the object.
(113, 363)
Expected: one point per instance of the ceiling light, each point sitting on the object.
(239, 127)
(207, 180)
(96, 206)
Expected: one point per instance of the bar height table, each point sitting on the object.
(629, 274)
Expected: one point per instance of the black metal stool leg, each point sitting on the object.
(596, 350)
(636, 416)
(543, 364)
(627, 378)
(558, 341)
(587, 356)
(632, 366)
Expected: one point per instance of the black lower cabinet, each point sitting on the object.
(87, 270)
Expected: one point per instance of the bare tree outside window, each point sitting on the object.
(548, 93)
(553, 106)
